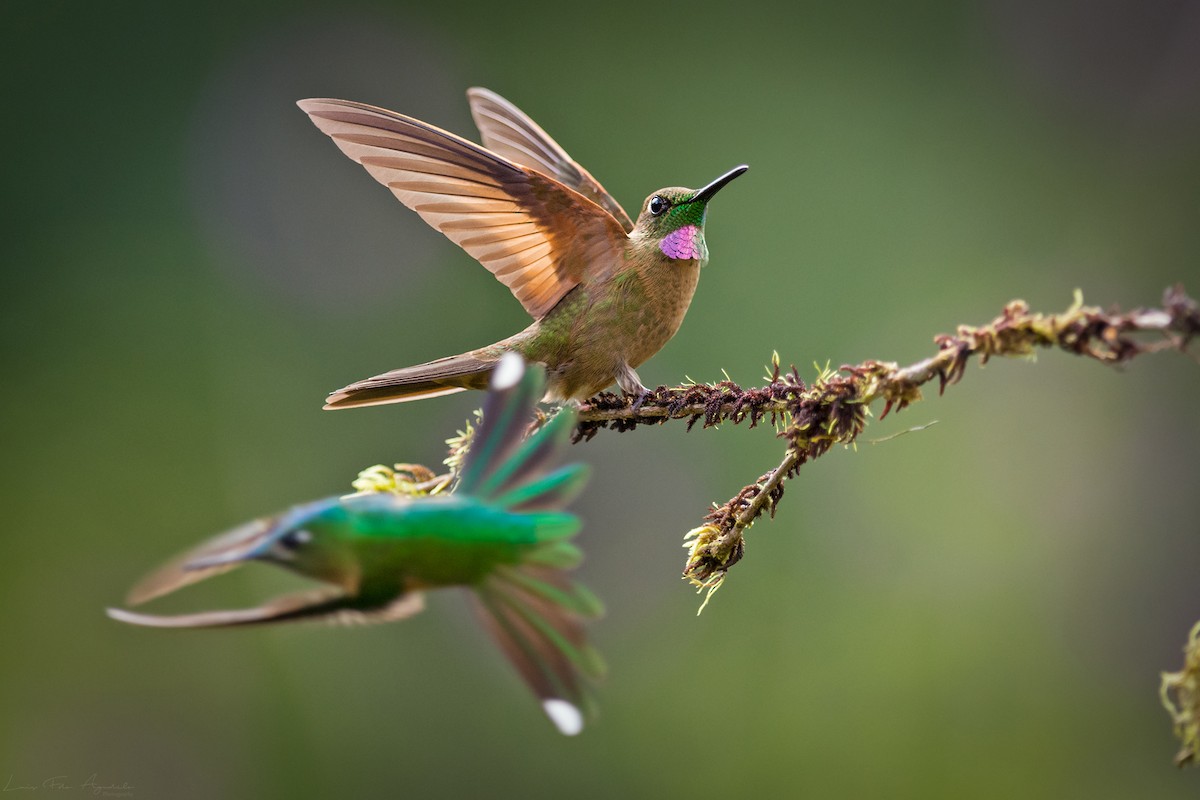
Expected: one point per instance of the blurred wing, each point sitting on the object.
(227, 551)
(506, 130)
(536, 616)
(538, 237)
(173, 575)
(330, 605)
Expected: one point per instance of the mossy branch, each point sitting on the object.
(834, 409)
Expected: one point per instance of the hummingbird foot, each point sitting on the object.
(630, 383)
(645, 395)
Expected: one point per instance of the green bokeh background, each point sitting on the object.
(978, 610)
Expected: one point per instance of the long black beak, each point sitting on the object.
(705, 194)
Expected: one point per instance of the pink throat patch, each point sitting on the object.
(681, 243)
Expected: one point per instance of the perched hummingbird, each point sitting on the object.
(501, 534)
(605, 293)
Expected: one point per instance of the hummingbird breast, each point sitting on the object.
(599, 329)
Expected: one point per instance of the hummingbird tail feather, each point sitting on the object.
(536, 616)
(521, 482)
(432, 379)
(507, 412)
(559, 555)
(515, 474)
(546, 493)
(533, 610)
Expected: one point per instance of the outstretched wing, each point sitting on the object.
(174, 575)
(326, 604)
(537, 236)
(221, 553)
(507, 130)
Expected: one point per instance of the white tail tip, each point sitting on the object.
(508, 371)
(566, 717)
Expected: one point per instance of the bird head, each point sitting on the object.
(674, 217)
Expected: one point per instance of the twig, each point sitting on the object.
(834, 409)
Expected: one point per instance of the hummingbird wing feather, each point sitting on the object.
(539, 237)
(173, 575)
(327, 604)
(508, 131)
(214, 556)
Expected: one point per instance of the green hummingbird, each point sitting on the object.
(605, 293)
(501, 533)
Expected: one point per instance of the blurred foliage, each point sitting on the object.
(980, 610)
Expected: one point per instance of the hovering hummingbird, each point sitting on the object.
(605, 293)
(501, 533)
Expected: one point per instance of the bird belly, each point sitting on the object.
(622, 323)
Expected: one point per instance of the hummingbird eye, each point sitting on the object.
(293, 540)
(658, 204)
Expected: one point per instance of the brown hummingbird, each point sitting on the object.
(605, 293)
